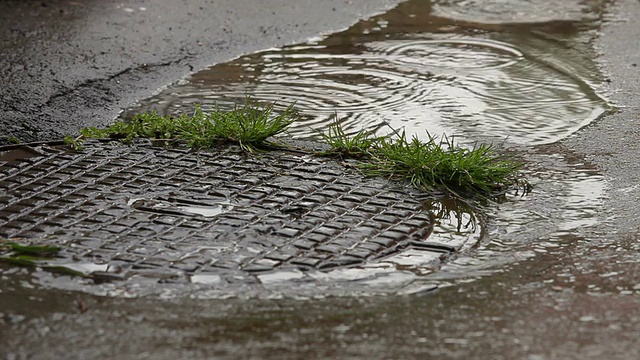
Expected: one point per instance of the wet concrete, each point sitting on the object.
(64, 65)
(574, 297)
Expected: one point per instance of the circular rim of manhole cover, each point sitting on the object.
(137, 219)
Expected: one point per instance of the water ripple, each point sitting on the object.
(490, 84)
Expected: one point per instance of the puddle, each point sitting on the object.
(482, 71)
(456, 224)
(565, 214)
(206, 279)
(424, 66)
(281, 276)
(181, 207)
(18, 154)
(84, 268)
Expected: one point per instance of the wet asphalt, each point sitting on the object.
(561, 305)
(69, 64)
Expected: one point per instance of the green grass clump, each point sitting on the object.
(33, 250)
(432, 165)
(40, 256)
(73, 143)
(357, 146)
(248, 126)
(441, 164)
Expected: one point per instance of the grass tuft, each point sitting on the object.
(434, 165)
(73, 143)
(356, 146)
(437, 164)
(248, 126)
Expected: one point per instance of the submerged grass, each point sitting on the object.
(34, 256)
(432, 165)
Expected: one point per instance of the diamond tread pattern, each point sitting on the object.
(170, 213)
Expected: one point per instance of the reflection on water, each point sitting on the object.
(181, 206)
(456, 223)
(564, 212)
(424, 67)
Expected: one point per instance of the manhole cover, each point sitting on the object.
(124, 212)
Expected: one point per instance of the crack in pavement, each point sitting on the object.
(98, 82)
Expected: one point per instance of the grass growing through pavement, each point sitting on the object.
(248, 126)
(40, 256)
(435, 164)
(357, 146)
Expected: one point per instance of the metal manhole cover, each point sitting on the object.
(123, 212)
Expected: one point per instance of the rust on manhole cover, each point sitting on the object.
(120, 211)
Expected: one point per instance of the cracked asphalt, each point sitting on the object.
(69, 64)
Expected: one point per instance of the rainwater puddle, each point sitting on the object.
(565, 214)
(84, 268)
(18, 154)
(481, 70)
(181, 207)
(516, 73)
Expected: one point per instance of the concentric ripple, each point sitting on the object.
(411, 70)
(516, 12)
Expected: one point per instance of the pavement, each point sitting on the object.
(574, 299)
(69, 64)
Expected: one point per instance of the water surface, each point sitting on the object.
(518, 73)
(484, 71)
(441, 67)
